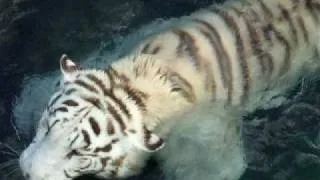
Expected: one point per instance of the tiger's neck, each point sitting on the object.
(167, 94)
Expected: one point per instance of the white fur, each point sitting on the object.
(203, 141)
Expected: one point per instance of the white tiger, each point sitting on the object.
(181, 93)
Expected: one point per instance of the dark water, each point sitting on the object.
(34, 33)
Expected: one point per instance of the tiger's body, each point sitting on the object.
(241, 48)
(187, 86)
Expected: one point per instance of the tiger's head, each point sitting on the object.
(93, 124)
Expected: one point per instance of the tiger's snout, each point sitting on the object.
(37, 163)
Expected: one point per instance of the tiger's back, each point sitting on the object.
(242, 47)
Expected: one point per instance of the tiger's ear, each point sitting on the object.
(146, 140)
(68, 67)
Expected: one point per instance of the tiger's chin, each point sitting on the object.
(126, 166)
(131, 166)
(128, 171)
(122, 172)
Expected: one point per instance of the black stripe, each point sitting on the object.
(87, 166)
(74, 140)
(215, 41)
(51, 126)
(62, 109)
(286, 64)
(132, 131)
(181, 85)
(86, 86)
(70, 102)
(113, 75)
(67, 174)
(109, 73)
(253, 15)
(94, 101)
(267, 34)
(116, 116)
(58, 83)
(85, 115)
(145, 48)
(249, 12)
(54, 123)
(121, 105)
(210, 83)
(98, 82)
(310, 7)
(80, 110)
(104, 162)
(237, 11)
(303, 28)
(86, 138)
(267, 59)
(231, 22)
(108, 92)
(223, 57)
(156, 50)
(288, 18)
(73, 153)
(94, 125)
(187, 44)
(257, 50)
(106, 148)
(316, 5)
(110, 127)
(115, 141)
(54, 100)
(265, 9)
(136, 96)
(69, 91)
(219, 58)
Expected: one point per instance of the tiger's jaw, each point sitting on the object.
(36, 165)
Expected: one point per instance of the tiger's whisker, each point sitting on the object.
(17, 132)
(9, 163)
(12, 172)
(10, 148)
(9, 153)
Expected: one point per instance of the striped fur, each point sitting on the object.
(243, 42)
(238, 55)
